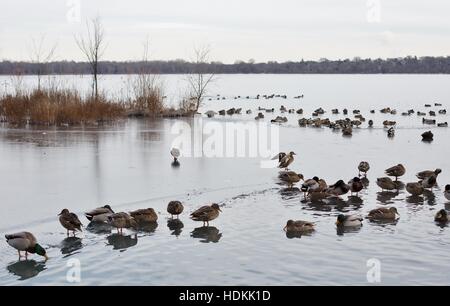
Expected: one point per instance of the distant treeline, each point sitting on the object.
(359, 66)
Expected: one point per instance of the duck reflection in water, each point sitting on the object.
(175, 226)
(148, 227)
(122, 242)
(355, 201)
(386, 196)
(415, 199)
(289, 193)
(297, 234)
(341, 230)
(207, 234)
(175, 164)
(26, 269)
(99, 228)
(70, 245)
(430, 197)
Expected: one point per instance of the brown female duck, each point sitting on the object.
(206, 213)
(175, 208)
(396, 171)
(69, 221)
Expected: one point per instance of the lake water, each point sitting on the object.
(128, 166)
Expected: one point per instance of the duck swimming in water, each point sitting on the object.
(349, 220)
(442, 216)
(298, 226)
(383, 213)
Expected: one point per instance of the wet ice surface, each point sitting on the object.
(128, 166)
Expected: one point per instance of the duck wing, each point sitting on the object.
(203, 211)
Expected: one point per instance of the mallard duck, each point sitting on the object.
(175, 154)
(99, 214)
(286, 160)
(69, 221)
(385, 183)
(175, 208)
(347, 131)
(391, 132)
(206, 213)
(427, 136)
(210, 113)
(25, 241)
(349, 220)
(279, 156)
(415, 189)
(290, 177)
(383, 213)
(429, 182)
(442, 216)
(317, 196)
(339, 188)
(396, 171)
(370, 123)
(427, 173)
(310, 185)
(442, 124)
(363, 167)
(356, 185)
(122, 220)
(298, 226)
(447, 192)
(145, 215)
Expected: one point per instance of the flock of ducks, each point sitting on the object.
(346, 125)
(27, 242)
(317, 190)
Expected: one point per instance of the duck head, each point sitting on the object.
(394, 210)
(292, 153)
(441, 215)
(38, 249)
(109, 208)
(437, 171)
(447, 188)
(216, 207)
(288, 224)
(63, 212)
(340, 219)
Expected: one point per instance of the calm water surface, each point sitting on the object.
(127, 165)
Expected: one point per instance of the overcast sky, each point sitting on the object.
(264, 30)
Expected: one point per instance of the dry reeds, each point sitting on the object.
(58, 107)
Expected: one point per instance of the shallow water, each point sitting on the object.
(128, 166)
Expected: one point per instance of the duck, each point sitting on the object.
(310, 185)
(356, 185)
(386, 183)
(427, 173)
(349, 220)
(396, 171)
(427, 136)
(175, 208)
(442, 216)
(339, 188)
(210, 113)
(370, 123)
(25, 242)
(290, 177)
(447, 192)
(122, 220)
(175, 154)
(145, 215)
(206, 213)
(391, 132)
(69, 221)
(429, 182)
(415, 189)
(347, 131)
(99, 214)
(363, 167)
(286, 160)
(442, 124)
(298, 226)
(317, 196)
(383, 213)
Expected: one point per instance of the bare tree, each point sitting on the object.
(199, 79)
(93, 47)
(41, 56)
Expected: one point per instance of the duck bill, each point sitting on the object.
(46, 257)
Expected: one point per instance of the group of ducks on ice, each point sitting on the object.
(314, 190)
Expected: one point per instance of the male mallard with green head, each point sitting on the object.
(447, 192)
(175, 208)
(396, 171)
(145, 215)
(206, 213)
(69, 221)
(349, 220)
(298, 226)
(442, 216)
(383, 213)
(25, 241)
